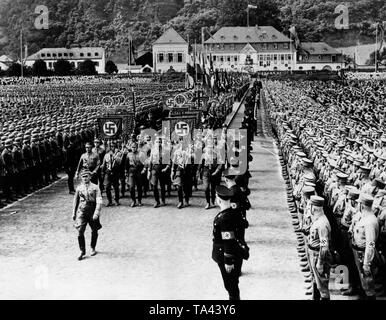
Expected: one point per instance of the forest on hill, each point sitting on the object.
(111, 23)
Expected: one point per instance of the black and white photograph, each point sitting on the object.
(192, 150)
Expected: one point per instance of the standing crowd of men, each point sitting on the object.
(333, 150)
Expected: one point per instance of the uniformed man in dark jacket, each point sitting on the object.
(9, 170)
(55, 155)
(2, 175)
(36, 162)
(19, 168)
(49, 158)
(110, 172)
(134, 168)
(43, 161)
(28, 160)
(100, 150)
(226, 249)
(71, 163)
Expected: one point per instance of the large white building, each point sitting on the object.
(74, 55)
(263, 48)
(170, 51)
(319, 56)
(259, 48)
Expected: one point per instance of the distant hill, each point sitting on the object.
(110, 23)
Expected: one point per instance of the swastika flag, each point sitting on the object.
(110, 128)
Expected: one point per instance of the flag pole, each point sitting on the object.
(248, 16)
(21, 52)
(376, 48)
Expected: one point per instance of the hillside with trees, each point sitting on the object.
(110, 23)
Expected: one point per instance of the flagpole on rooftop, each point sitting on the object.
(21, 51)
(376, 48)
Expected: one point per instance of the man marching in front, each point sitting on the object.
(86, 210)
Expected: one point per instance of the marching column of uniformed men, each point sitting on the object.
(336, 191)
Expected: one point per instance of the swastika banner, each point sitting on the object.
(110, 128)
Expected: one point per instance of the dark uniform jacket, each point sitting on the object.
(18, 159)
(8, 161)
(35, 154)
(225, 229)
(27, 155)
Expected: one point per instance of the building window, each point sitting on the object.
(179, 58)
(286, 45)
(54, 55)
(82, 54)
(275, 57)
(48, 55)
(71, 54)
(289, 57)
(275, 46)
(236, 59)
(59, 55)
(65, 54)
(333, 59)
(50, 65)
(43, 55)
(265, 46)
(88, 54)
(170, 57)
(161, 57)
(229, 58)
(221, 58)
(313, 68)
(300, 68)
(96, 54)
(319, 57)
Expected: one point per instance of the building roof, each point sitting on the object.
(170, 36)
(5, 58)
(68, 54)
(247, 35)
(318, 48)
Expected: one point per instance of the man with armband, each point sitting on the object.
(365, 231)
(226, 251)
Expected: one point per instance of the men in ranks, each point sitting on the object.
(134, 169)
(319, 241)
(89, 160)
(365, 231)
(110, 172)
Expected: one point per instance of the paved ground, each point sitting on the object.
(147, 253)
